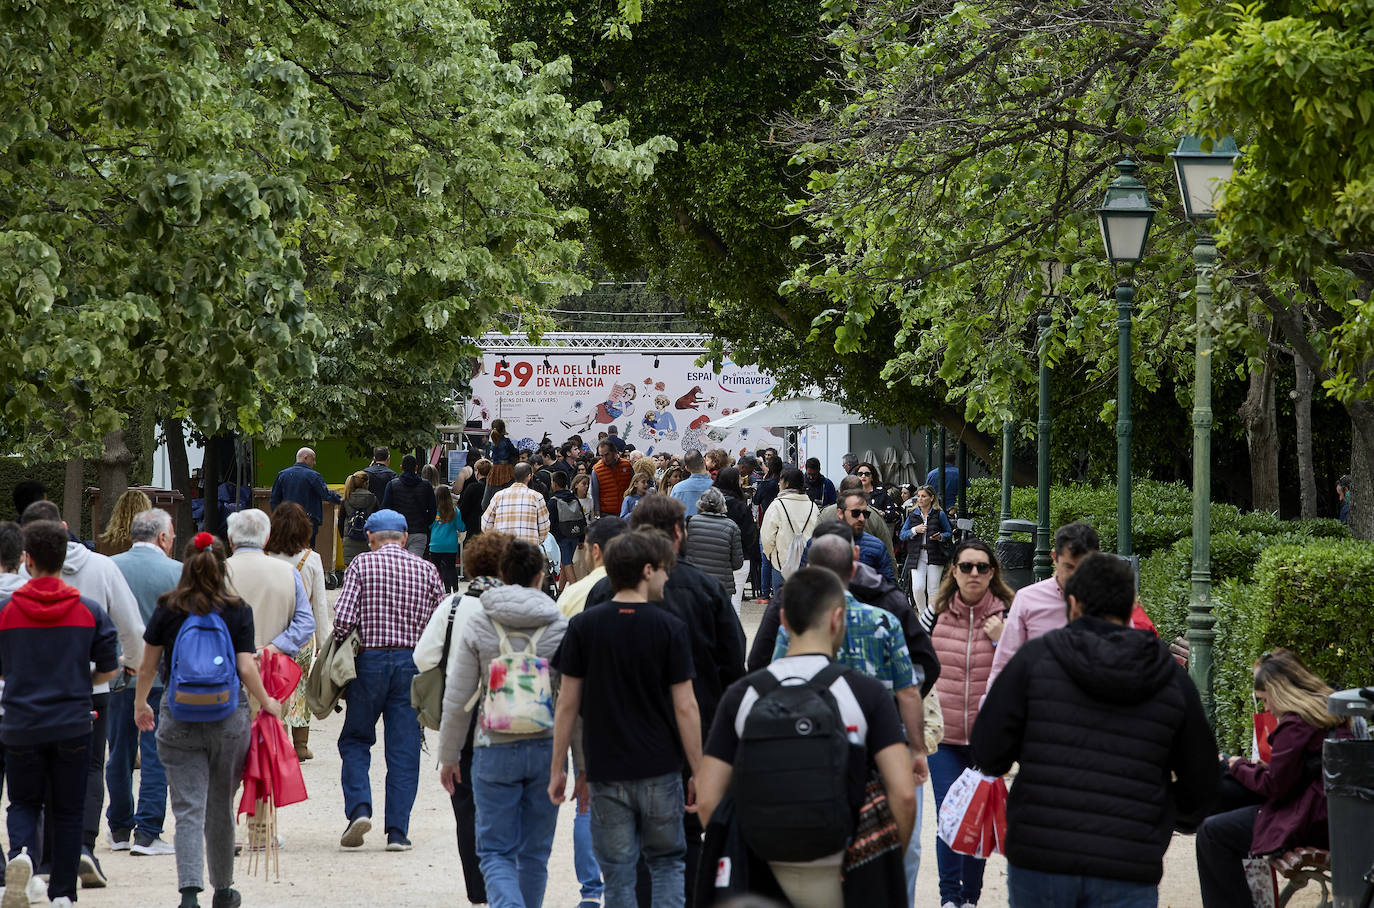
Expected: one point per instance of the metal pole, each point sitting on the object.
(940, 487)
(1043, 565)
(1124, 296)
(1004, 534)
(930, 450)
(962, 480)
(1200, 618)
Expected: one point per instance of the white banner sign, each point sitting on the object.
(655, 408)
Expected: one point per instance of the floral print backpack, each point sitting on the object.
(519, 694)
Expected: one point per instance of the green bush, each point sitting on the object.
(1239, 640)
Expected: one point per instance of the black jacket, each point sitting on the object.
(742, 514)
(870, 588)
(413, 498)
(470, 506)
(1112, 742)
(717, 637)
(379, 476)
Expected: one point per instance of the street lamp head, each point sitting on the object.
(1202, 173)
(1125, 216)
(1051, 278)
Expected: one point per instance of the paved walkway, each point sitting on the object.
(315, 871)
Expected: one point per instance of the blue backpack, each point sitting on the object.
(203, 684)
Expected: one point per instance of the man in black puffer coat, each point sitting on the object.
(1113, 746)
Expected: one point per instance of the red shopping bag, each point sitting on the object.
(969, 814)
(1265, 723)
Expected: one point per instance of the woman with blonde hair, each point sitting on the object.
(1289, 808)
(358, 504)
(289, 541)
(116, 537)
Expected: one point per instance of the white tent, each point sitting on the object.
(789, 411)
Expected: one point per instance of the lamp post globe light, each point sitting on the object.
(1052, 276)
(1202, 174)
(1125, 218)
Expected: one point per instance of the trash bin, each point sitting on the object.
(1017, 558)
(1348, 771)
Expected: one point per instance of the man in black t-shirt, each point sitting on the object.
(627, 670)
(814, 615)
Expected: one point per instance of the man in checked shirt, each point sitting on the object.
(388, 595)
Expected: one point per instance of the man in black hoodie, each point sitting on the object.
(414, 499)
(54, 645)
(1113, 746)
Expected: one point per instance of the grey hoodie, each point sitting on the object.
(517, 608)
(98, 578)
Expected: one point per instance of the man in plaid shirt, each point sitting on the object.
(518, 509)
(388, 595)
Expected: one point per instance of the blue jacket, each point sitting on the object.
(689, 490)
(304, 486)
(873, 553)
(149, 574)
(952, 484)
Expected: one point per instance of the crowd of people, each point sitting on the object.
(584, 613)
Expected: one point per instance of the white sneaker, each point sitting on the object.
(154, 845)
(62, 902)
(37, 890)
(18, 875)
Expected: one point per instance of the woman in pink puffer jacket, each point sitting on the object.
(970, 607)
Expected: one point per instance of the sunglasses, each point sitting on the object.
(968, 567)
(863, 473)
(858, 512)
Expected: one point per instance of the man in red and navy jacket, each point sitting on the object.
(54, 644)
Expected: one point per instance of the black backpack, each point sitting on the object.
(791, 772)
(356, 525)
(570, 518)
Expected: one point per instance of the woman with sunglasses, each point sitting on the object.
(1289, 802)
(878, 496)
(970, 606)
(928, 533)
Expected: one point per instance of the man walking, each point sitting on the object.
(689, 490)
(854, 511)
(301, 484)
(413, 499)
(875, 525)
(1113, 746)
(627, 670)
(379, 472)
(388, 595)
(283, 620)
(815, 618)
(150, 571)
(54, 645)
(611, 477)
(819, 489)
(518, 510)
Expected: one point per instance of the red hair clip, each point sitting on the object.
(203, 540)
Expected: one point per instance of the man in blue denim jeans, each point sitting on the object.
(627, 670)
(388, 595)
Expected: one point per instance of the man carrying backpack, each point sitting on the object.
(830, 726)
(568, 524)
(501, 668)
(627, 670)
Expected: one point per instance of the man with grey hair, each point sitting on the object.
(518, 509)
(388, 596)
(301, 484)
(150, 571)
(282, 618)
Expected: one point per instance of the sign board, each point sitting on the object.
(664, 407)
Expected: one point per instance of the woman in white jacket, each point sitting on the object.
(512, 750)
(791, 514)
(482, 563)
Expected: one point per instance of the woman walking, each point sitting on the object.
(203, 760)
(739, 509)
(969, 607)
(928, 533)
(791, 514)
(713, 541)
(116, 538)
(443, 538)
(289, 541)
(358, 505)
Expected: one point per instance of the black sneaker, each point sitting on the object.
(397, 842)
(358, 827)
(119, 839)
(226, 898)
(89, 872)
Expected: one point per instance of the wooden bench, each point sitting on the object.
(1301, 866)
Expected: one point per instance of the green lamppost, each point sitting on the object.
(1008, 432)
(1201, 176)
(1052, 274)
(1125, 218)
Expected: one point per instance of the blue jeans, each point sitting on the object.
(766, 572)
(1036, 889)
(55, 772)
(515, 820)
(584, 859)
(125, 740)
(961, 876)
(642, 816)
(911, 861)
(382, 689)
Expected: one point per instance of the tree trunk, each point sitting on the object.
(1261, 426)
(210, 469)
(113, 472)
(74, 493)
(179, 476)
(1302, 410)
(1361, 469)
